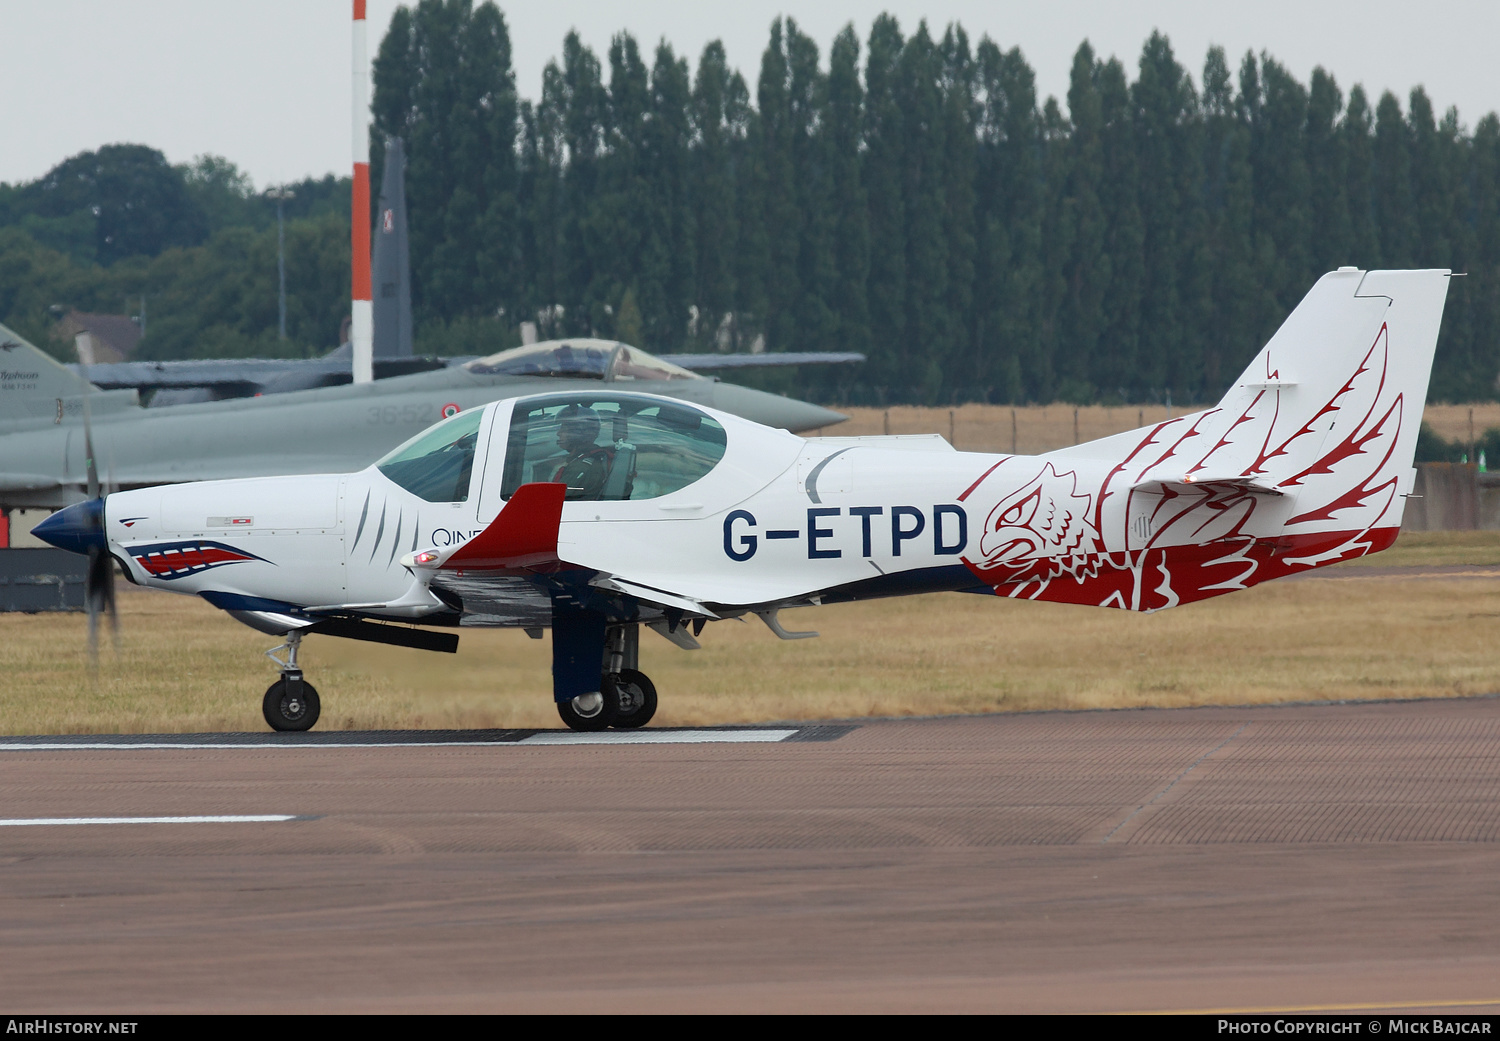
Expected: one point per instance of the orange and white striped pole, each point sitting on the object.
(362, 324)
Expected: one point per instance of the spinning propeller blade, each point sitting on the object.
(99, 580)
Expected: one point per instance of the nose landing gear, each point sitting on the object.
(291, 703)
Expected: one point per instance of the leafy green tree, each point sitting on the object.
(1080, 229)
(1282, 183)
(851, 220)
(1229, 190)
(885, 192)
(1120, 197)
(720, 106)
(1009, 274)
(959, 172)
(670, 233)
(1357, 136)
(444, 84)
(224, 194)
(140, 204)
(1393, 201)
(1327, 164)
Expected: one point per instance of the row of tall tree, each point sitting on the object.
(911, 197)
(907, 195)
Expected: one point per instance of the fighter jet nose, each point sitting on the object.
(77, 528)
(774, 410)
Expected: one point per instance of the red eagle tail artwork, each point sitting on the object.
(1306, 461)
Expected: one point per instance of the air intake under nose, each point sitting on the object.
(77, 528)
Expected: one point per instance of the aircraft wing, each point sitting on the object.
(522, 542)
(238, 376)
(242, 377)
(216, 372)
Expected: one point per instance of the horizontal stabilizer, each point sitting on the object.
(523, 535)
(1190, 482)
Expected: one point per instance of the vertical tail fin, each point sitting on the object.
(32, 385)
(1324, 421)
(1340, 387)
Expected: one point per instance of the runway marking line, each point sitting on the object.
(1293, 1009)
(545, 737)
(238, 818)
(657, 737)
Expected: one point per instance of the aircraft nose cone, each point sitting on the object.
(77, 528)
(774, 410)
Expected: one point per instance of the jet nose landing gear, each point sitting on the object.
(291, 703)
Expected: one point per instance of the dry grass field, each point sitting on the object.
(1041, 428)
(1359, 633)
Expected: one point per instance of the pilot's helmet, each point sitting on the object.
(578, 423)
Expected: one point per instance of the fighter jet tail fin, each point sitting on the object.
(33, 385)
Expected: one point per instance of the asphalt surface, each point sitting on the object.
(1328, 857)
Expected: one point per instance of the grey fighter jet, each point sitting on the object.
(339, 429)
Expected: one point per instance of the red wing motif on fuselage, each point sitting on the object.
(172, 560)
(1192, 541)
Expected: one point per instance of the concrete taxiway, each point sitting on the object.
(1339, 856)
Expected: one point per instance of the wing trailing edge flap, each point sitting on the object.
(660, 597)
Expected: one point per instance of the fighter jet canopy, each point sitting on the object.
(600, 359)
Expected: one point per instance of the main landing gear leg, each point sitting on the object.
(633, 691)
(291, 703)
(578, 637)
(594, 678)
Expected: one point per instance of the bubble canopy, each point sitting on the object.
(606, 360)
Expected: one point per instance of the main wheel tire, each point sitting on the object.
(635, 696)
(590, 712)
(284, 712)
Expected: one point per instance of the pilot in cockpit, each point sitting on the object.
(587, 465)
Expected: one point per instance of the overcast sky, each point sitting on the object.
(267, 82)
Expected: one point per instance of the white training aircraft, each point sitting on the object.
(595, 512)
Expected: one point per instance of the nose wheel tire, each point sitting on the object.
(635, 698)
(285, 709)
(590, 712)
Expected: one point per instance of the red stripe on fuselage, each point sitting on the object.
(187, 559)
(1162, 577)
